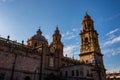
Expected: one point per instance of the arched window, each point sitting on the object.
(72, 72)
(63, 65)
(86, 61)
(85, 26)
(81, 73)
(86, 39)
(35, 44)
(66, 73)
(88, 73)
(61, 73)
(77, 73)
(2, 76)
(51, 63)
(29, 44)
(27, 78)
(89, 25)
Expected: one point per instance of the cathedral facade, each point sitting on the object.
(39, 61)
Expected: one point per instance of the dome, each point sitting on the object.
(38, 36)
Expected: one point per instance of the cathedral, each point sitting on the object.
(40, 61)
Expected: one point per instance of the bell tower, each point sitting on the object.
(90, 49)
(56, 47)
(57, 40)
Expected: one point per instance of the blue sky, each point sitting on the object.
(21, 19)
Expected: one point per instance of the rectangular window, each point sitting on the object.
(66, 73)
(51, 62)
(61, 73)
(72, 72)
(81, 73)
(2, 76)
(77, 73)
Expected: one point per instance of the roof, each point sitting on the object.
(38, 36)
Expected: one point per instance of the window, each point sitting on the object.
(2, 76)
(27, 78)
(28, 44)
(72, 73)
(51, 63)
(35, 45)
(61, 73)
(17, 78)
(81, 73)
(86, 39)
(85, 26)
(77, 73)
(86, 61)
(66, 73)
(63, 65)
(89, 25)
(88, 74)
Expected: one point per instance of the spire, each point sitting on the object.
(39, 32)
(86, 13)
(57, 27)
(87, 19)
(87, 16)
(57, 35)
(57, 30)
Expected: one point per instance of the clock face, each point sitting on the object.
(52, 50)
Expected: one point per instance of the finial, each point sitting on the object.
(73, 56)
(8, 37)
(66, 55)
(86, 13)
(57, 30)
(39, 32)
(39, 27)
(57, 27)
(22, 42)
